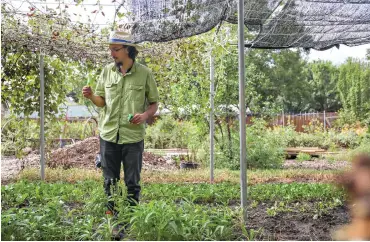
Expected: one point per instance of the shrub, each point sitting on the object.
(303, 157)
(16, 134)
(167, 132)
(264, 148)
(363, 148)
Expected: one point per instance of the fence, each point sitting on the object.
(300, 120)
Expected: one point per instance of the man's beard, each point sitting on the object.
(119, 65)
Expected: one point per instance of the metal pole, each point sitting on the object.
(243, 170)
(42, 118)
(211, 116)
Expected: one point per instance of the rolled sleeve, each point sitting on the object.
(151, 90)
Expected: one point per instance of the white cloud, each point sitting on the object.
(338, 56)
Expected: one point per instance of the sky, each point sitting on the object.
(88, 8)
(338, 56)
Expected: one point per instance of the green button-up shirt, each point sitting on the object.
(124, 95)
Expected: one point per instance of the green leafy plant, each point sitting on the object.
(303, 157)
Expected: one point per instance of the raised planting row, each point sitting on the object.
(65, 211)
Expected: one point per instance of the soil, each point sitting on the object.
(299, 226)
(78, 155)
(317, 164)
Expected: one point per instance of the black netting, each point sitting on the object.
(315, 24)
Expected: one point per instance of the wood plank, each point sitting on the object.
(307, 150)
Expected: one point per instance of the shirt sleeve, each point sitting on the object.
(151, 91)
(99, 90)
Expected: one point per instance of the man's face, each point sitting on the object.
(118, 52)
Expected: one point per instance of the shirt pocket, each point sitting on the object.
(110, 91)
(137, 93)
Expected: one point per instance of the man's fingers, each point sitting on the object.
(86, 91)
(136, 119)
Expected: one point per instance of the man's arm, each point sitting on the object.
(97, 100)
(151, 93)
(142, 117)
(153, 107)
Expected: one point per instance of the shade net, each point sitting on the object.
(317, 24)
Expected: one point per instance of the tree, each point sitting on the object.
(290, 85)
(353, 87)
(322, 77)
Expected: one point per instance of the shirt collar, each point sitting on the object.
(133, 68)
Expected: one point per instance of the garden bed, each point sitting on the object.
(65, 211)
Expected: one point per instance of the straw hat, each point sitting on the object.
(122, 38)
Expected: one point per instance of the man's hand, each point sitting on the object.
(87, 92)
(97, 100)
(139, 118)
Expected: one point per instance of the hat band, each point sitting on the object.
(121, 40)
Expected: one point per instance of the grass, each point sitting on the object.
(75, 211)
(192, 176)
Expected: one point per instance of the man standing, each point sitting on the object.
(124, 88)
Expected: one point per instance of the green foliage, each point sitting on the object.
(345, 117)
(275, 80)
(21, 82)
(289, 77)
(21, 93)
(167, 132)
(295, 191)
(19, 133)
(16, 134)
(363, 148)
(181, 69)
(265, 146)
(226, 192)
(64, 211)
(307, 140)
(264, 149)
(347, 139)
(44, 211)
(197, 193)
(323, 76)
(303, 157)
(159, 220)
(332, 139)
(353, 83)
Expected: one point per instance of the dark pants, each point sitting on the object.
(131, 156)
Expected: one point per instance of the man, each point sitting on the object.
(124, 88)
